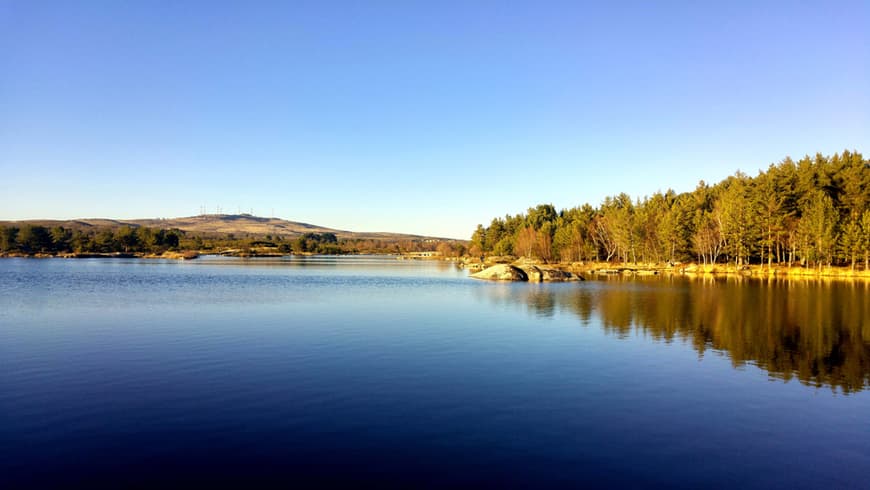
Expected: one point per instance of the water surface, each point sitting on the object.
(370, 370)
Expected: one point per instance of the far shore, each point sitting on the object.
(180, 255)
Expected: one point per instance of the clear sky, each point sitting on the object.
(421, 117)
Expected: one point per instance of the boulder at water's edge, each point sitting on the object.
(502, 272)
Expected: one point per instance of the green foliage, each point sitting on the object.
(865, 242)
(815, 210)
(8, 238)
(127, 238)
(34, 239)
(28, 239)
(60, 238)
(851, 242)
(818, 228)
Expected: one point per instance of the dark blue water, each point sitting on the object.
(372, 371)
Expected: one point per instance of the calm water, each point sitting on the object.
(375, 371)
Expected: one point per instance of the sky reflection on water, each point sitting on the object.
(389, 373)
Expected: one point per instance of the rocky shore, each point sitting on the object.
(525, 273)
(508, 269)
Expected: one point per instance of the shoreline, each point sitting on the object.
(184, 255)
(611, 269)
(173, 255)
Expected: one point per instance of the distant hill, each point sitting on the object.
(237, 224)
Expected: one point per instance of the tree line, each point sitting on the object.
(33, 239)
(812, 212)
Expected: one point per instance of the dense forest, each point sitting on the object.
(31, 239)
(812, 212)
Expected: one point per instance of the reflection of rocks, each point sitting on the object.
(531, 273)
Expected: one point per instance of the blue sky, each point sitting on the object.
(419, 117)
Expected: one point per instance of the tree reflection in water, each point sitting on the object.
(814, 330)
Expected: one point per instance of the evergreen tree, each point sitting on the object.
(818, 228)
(8, 239)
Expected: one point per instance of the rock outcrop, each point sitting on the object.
(534, 272)
(556, 275)
(502, 272)
(530, 273)
(546, 274)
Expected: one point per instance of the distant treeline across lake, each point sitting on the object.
(31, 239)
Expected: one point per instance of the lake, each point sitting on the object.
(374, 371)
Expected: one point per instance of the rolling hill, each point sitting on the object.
(237, 224)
